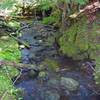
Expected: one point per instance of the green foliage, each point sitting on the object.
(13, 72)
(53, 19)
(13, 24)
(7, 4)
(6, 86)
(9, 49)
(49, 20)
(82, 2)
(46, 4)
(5, 83)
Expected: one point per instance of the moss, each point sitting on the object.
(86, 42)
(51, 64)
(5, 83)
(9, 49)
(13, 72)
(77, 41)
(48, 20)
(13, 24)
(6, 86)
(54, 18)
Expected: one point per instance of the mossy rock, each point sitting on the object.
(51, 64)
(78, 41)
(69, 83)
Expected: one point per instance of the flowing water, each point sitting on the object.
(34, 88)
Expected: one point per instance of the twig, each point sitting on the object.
(20, 41)
(26, 26)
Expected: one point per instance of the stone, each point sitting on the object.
(32, 74)
(69, 83)
(42, 74)
(54, 83)
(51, 95)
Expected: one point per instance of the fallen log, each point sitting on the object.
(19, 65)
(9, 29)
(28, 66)
(94, 6)
(20, 41)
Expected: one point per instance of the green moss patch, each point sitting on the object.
(9, 49)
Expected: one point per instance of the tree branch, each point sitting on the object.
(20, 41)
(95, 6)
(19, 65)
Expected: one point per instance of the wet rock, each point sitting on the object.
(69, 83)
(33, 74)
(43, 75)
(54, 83)
(50, 95)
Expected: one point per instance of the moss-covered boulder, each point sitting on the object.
(69, 83)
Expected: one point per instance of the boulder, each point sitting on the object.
(69, 83)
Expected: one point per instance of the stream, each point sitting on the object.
(50, 87)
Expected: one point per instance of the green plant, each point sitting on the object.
(9, 49)
(6, 86)
(5, 83)
(13, 72)
(46, 4)
(54, 18)
(80, 1)
(13, 24)
(7, 4)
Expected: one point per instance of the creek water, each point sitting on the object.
(34, 89)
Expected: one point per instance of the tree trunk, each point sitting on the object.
(64, 14)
